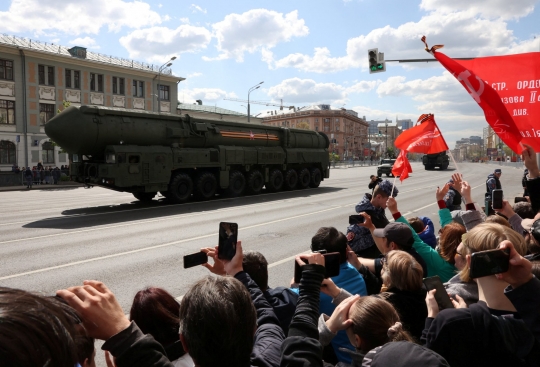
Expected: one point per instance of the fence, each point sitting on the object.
(44, 177)
(507, 164)
(350, 164)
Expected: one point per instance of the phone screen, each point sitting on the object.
(355, 219)
(195, 259)
(228, 235)
(497, 199)
(442, 298)
(331, 265)
(489, 262)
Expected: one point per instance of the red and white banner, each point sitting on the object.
(402, 166)
(423, 138)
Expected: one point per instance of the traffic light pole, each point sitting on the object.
(429, 60)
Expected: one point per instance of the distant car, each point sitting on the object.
(385, 166)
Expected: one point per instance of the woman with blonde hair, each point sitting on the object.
(403, 288)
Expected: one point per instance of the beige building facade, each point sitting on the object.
(347, 132)
(36, 79)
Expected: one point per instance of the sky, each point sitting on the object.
(306, 51)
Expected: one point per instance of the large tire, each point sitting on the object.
(275, 181)
(316, 178)
(304, 178)
(237, 183)
(180, 188)
(255, 182)
(291, 179)
(144, 196)
(206, 185)
(379, 173)
(444, 167)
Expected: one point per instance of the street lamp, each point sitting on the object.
(257, 86)
(386, 133)
(165, 65)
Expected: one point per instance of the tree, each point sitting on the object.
(303, 125)
(334, 157)
(391, 152)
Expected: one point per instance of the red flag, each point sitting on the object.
(487, 98)
(402, 167)
(423, 138)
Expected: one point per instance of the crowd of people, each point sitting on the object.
(40, 174)
(376, 312)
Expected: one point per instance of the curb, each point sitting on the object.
(39, 187)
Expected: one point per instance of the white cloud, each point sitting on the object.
(489, 8)
(296, 90)
(194, 75)
(159, 43)
(464, 34)
(196, 8)
(255, 30)
(76, 17)
(87, 42)
(207, 95)
(184, 20)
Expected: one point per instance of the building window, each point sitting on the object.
(337, 120)
(73, 78)
(316, 128)
(118, 85)
(6, 69)
(138, 88)
(7, 112)
(316, 120)
(7, 152)
(47, 153)
(163, 92)
(96, 82)
(337, 127)
(46, 112)
(46, 75)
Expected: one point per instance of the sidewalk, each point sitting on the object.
(70, 185)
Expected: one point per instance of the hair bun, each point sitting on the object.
(394, 330)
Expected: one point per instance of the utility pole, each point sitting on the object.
(257, 86)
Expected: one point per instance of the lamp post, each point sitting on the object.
(165, 65)
(386, 133)
(257, 86)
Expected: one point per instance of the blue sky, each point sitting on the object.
(306, 52)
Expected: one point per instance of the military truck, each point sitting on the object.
(145, 153)
(385, 166)
(432, 161)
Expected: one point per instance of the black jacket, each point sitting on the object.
(533, 187)
(131, 347)
(283, 301)
(372, 184)
(411, 308)
(475, 337)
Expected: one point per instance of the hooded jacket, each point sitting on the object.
(428, 235)
(362, 236)
(283, 301)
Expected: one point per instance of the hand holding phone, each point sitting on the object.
(491, 262)
(356, 219)
(442, 298)
(497, 199)
(228, 236)
(331, 265)
(195, 259)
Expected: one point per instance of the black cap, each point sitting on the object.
(403, 354)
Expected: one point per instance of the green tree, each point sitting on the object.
(303, 125)
(391, 152)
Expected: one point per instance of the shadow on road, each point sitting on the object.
(136, 210)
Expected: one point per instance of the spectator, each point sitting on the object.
(29, 177)
(532, 237)
(489, 333)
(331, 240)
(436, 265)
(282, 299)
(424, 228)
(374, 181)
(35, 331)
(402, 277)
(403, 354)
(39, 166)
(499, 220)
(156, 312)
(56, 175)
(453, 196)
(533, 178)
(514, 220)
(374, 205)
(524, 210)
(524, 182)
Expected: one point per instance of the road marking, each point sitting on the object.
(158, 246)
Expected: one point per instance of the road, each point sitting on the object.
(53, 239)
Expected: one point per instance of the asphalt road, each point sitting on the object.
(53, 239)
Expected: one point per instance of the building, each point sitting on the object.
(36, 78)
(405, 124)
(198, 110)
(471, 148)
(347, 132)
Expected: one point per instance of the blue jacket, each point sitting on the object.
(428, 235)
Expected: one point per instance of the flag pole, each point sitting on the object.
(454, 161)
(393, 185)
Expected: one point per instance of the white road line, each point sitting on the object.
(158, 246)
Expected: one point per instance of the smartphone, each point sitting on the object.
(228, 236)
(195, 259)
(489, 262)
(442, 298)
(331, 265)
(355, 219)
(497, 199)
(519, 199)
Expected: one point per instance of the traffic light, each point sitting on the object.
(376, 61)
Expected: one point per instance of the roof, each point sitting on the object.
(51, 48)
(390, 124)
(319, 107)
(208, 109)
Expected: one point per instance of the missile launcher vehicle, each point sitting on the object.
(145, 153)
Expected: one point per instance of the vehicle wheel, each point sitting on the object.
(387, 174)
(180, 188)
(444, 167)
(291, 179)
(255, 182)
(379, 173)
(237, 183)
(144, 196)
(316, 177)
(275, 181)
(206, 186)
(303, 178)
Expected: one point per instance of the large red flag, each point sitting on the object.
(489, 100)
(423, 138)
(402, 166)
